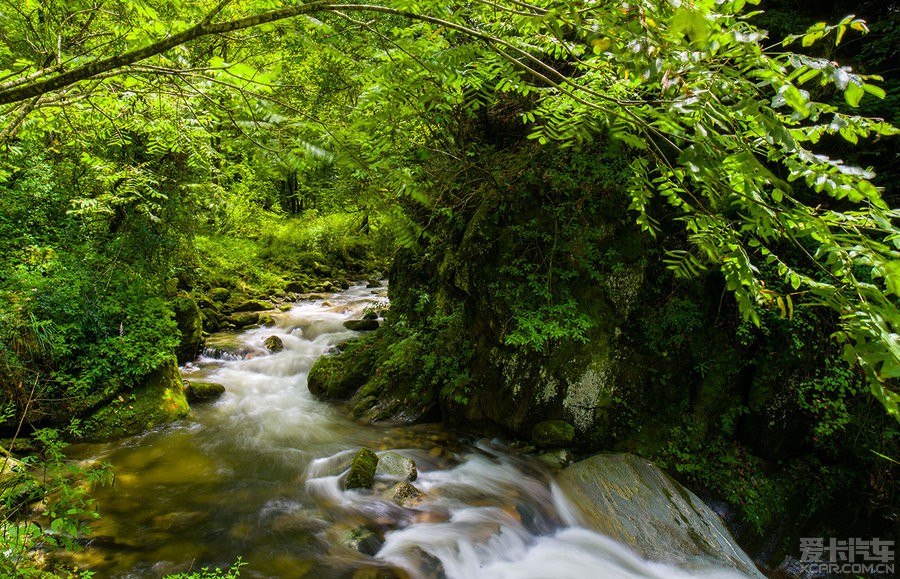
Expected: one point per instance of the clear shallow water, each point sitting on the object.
(256, 474)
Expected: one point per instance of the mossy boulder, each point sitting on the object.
(212, 319)
(273, 344)
(243, 319)
(297, 287)
(190, 325)
(361, 325)
(254, 306)
(338, 377)
(362, 470)
(219, 294)
(202, 391)
(552, 433)
(159, 400)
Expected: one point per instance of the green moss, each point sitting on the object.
(159, 400)
(362, 470)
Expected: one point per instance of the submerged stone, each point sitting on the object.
(396, 466)
(631, 500)
(362, 471)
(274, 344)
(552, 433)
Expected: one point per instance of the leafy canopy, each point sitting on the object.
(723, 128)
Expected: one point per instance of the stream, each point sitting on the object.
(256, 474)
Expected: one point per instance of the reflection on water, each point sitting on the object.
(256, 474)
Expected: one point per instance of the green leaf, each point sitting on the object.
(874, 90)
(853, 93)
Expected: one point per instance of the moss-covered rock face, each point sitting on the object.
(159, 400)
(190, 324)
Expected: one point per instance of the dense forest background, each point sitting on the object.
(607, 216)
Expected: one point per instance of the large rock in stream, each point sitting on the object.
(631, 500)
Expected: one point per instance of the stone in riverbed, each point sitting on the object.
(395, 466)
(363, 539)
(243, 319)
(361, 325)
(254, 306)
(631, 500)
(404, 494)
(274, 344)
(202, 391)
(556, 458)
(552, 433)
(296, 287)
(362, 471)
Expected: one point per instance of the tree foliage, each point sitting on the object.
(722, 125)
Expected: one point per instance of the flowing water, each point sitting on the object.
(256, 474)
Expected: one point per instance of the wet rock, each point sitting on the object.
(362, 471)
(361, 325)
(552, 433)
(370, 316)
(202, 391)
(556, 458)
(297, 287)
(243, 319)
(631, 500)
(212, 321)
(404, 494)
(284, 308)
(363, 539)
(274, 344)
(396, 466)
(266, 320)
(254, 306)
(219, 294)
